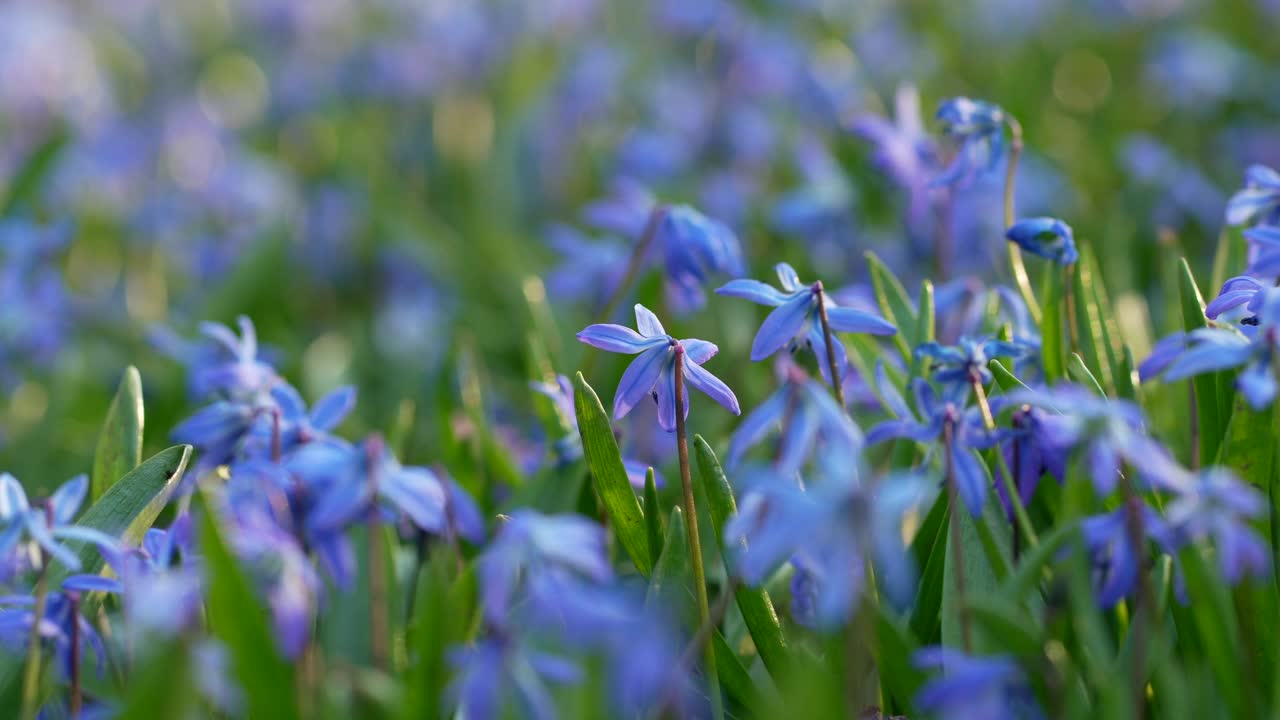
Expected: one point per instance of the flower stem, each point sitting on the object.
(31, 673)
(378, 625)
(837, 386)
(1023, 520)
(1144, 609)
(691, 529)
(1069, 305)
(75, 701)
(1019, 269)
(635, 263)
(957, 553)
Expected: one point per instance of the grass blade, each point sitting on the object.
(120, 442)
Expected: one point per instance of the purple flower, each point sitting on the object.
(903, 150)
(1259, 200)
(1030, 451)
(1218, 348)
(47, 523)
(1264, 250)
(286, 424)
(531, 545)
(968, 433)
(1240, 290)
(694, 248)
(1215, 504)
(974, 688)
(281, 570)
(61, 620)
(1046, 237)
(653, 372)
(796, 319)
(979, 128)
(1112, 552)
(807, 415)
(161, 584)
(589, 271)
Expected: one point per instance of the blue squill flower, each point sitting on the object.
(1215, 504)
(807, 415)
(47, 523)
(589, 270)
(61, 620)
(903, 150)
(653, 372)
(979, 129)
(1264, 250)
(531, 545)
(968, 433)
(974, 688)
(1259, 200)
(1237, 291)
(502, 669)
(1112, 553)
(288, 424)
(1108, 431)
(1163, 353)
(234, 371)
(694, 248)
(161, 585)
(1046, 237)
(1217, 348)
(796, 320)
(282, 571)
(962, 363)
(1030, 452)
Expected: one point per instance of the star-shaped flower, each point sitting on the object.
(653, 372)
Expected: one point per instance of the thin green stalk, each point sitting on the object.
(31, 673)
(1020, 516)
(379, 627)
(836, 385)
(695, 544)
(957, 552)
(1068, 301)
(1144, 609)
(1016, 265)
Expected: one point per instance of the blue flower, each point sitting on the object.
(979, 128)
(974, 688)
(1030, 451)
(961, 364)
(589, 271)
(827, 530)
(1108, 432)
(1264, 250)
(1259, 200)
(286, 424)
(1219, 348)
(61, 620)
(1163, 353)
(796, 319)
(1215, 504)
(653, 372)
(282, 571)
(1239, 290)
(1046, 237)
(161, 585)
(903, 150)
(224, 364)
(47, 523)
(694, 248)
(807, 415)
(531, 545)
(968, 433)
(1114, 556)
(502, 669)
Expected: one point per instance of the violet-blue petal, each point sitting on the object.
(647, 323)
(711, 386)
(330, 410)
(67, 498)
(753, 290)
(699, 351)
(781, 326)
(639, 378)
(616, 338)
(846, 319)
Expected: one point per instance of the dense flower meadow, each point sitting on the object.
(684, 358)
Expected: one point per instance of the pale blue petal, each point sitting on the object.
(330, 410)
(845, 319)
(639, 378)
(753, 290)
(699, 351)
(417, 493)
(788, 278)
(616, 338)
(756, 425)
(710, 385)
(647, 323)
(782, 325)
(66, 499)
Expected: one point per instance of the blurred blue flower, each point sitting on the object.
(1030, 451)
(653, 372)
(35, 306)
(903, 150)
(1112, 553)
(807, 415)
(825, 199)
(530, 546)
(1259, 200)
(966, 361)
(160, 582)
(61, 621)
(48, 522)
(1163, 353)
(1214, 503)
(1217, 348)
(589, 271)
(974, 688)
(978, 127)
(1264, 250)
(280, 568)
(1237, 291)
(1108, 431)
(501, 669)
(694, 248)
(968, 432)
(796, 320)
(287, 424)
(1046, 237)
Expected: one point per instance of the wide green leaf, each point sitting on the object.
(610, 476)
(443, 595)
(653, 514)
(160, 686)
(754, 603)
(894, 303)
(670, 584)
(120, 441)
(1090, 331)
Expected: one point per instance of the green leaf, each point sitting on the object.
(1007, 381)
(1231, 255)
(344, 627)
(443, 596)
(1030, 569)
(128, 509)
(670, 585)
(926, 615)
(984, 553)
(160, 686)
(1211, 422)
(609, 475)
(1090, 331)
(239, 620)
(925, 329)
(894, 303)
(1079, 372)
(653, 514)
(754, 603)
(894, 647)
(1005, 625)
(120, 442)
(1053, 326)
(29, 176)
(1215, 623)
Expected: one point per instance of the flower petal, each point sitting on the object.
(330, 410)
(753, 290)
(616, 338)
(699, 351)
(639, 378)
(756, 425)
(782, 325)
(788, 278)
(647, 323)
(711, 386)
(845, 319)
